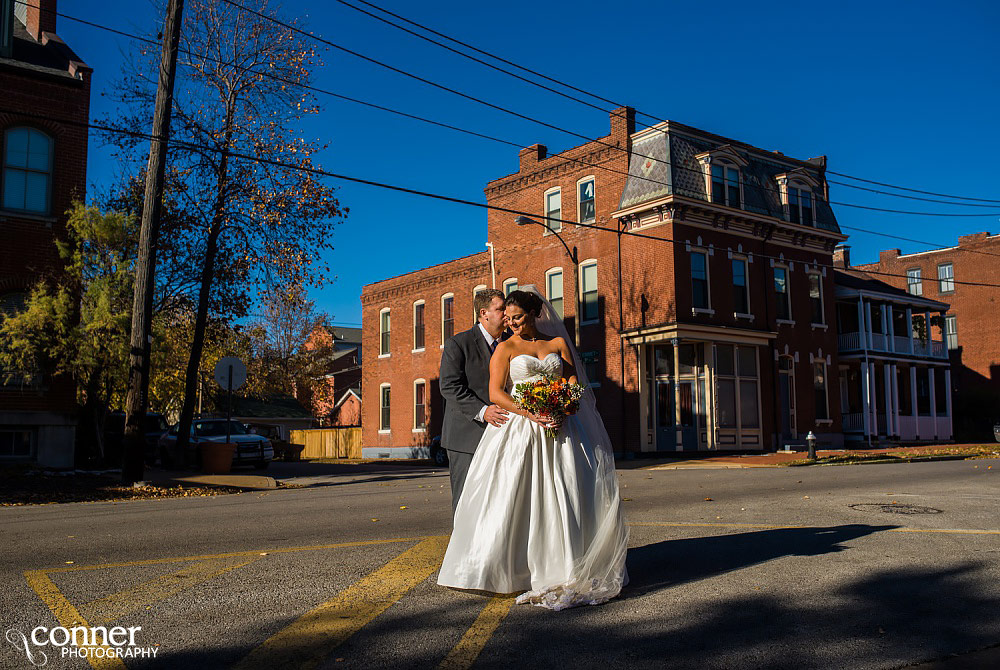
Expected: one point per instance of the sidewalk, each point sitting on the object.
(238, 479)
(703, 460)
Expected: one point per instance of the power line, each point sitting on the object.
(402, 189)
(490, 137)
(546, 124)
(655, 118)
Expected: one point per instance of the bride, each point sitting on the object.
(539, 514)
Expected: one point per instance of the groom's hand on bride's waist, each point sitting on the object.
(495, 415)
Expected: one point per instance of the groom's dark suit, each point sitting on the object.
(465, 387)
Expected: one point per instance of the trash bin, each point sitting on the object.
(217, 457)
(996, 432)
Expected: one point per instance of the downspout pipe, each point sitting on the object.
(493, 264)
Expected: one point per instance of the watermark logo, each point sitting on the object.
(20, 641)
(79, 642)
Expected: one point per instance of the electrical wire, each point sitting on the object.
(402, 189)
(655, 118)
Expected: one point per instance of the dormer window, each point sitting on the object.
(797, 191)
(800, 204)
(723, 177)
(726, 184)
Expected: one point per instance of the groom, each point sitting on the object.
(465, 387)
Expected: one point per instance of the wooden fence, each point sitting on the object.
(329, 442)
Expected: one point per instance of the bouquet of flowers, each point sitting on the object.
(549, 396)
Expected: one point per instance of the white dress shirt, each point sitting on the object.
(489, 343)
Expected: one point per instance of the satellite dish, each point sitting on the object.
(222, 371)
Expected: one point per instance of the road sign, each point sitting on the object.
(222, 372)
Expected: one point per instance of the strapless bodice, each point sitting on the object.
(525, 367)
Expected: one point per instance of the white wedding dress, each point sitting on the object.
(541, 514)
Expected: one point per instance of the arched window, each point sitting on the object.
(27, 170)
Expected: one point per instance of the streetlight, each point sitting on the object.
(524, 221)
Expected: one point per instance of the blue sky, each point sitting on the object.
(899, 92)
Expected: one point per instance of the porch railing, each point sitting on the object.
(849, 341)
(854, 422)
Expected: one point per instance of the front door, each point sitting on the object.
(666, 436)
(688, 427)
(786, 399)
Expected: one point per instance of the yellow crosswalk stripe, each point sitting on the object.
(115, 606)
(68, 616)
(465, 653)
(311, 637)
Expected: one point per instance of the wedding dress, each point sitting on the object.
(541, 514)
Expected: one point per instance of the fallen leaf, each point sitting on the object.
(374, 519)
(263, 553)
(805, 497)
(708, 500)
(627, 499)
(69, 562)
(402, 507)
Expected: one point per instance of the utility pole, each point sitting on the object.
(140, 342)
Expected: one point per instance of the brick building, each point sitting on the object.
(967, 327)
(44, 170)
(702, 279)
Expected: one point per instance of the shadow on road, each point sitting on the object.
(672, 562)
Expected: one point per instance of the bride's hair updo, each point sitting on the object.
(527, 301)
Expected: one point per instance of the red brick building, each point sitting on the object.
(701, 272)
(968, 328)
(44, 170)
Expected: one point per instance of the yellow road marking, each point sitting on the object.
(465, 653)
(684, 524)
(311, 637)
(115, 606)
(68, 616)
(232, 554)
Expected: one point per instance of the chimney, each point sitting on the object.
(842, 256)
(970, 239)
(530, 156)
(888, 255)
(41, 18)
(6, 28)
(622, 125)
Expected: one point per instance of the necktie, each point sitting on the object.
(493, 347)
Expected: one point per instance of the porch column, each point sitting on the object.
(865, 398)
(885, 328)
(861, 323)
(868, 325)
(930, 382)
(678, 438)
(913, 399)
(895, 397)
(947, 398)
(891, 332)
(874, 399)
(927, 329)
(710, 391)
(886, 370)
(909, 327)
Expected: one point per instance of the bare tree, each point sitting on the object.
(241, 89)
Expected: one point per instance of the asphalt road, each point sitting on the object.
(754, 568)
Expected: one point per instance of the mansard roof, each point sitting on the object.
(664, 163)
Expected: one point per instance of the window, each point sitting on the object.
(27, 170)
(554, 290)
(819, 384)
(784, 305)
(384, 332)
(946, 278)
(699, 280)
(800, 205)
(736, 384)
(951, 331)
(741, 294)
(447, 317)
(553, 209)
(509, 286)
(419, 405)
(816, 297)
(588, 285)
(914, 282)
(384, 408)
(418, 325)
(585, 192)
(726, 184)
(591, 367)
(15, 443)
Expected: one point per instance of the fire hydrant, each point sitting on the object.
(811, 446)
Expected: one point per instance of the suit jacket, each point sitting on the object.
(465, 387)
